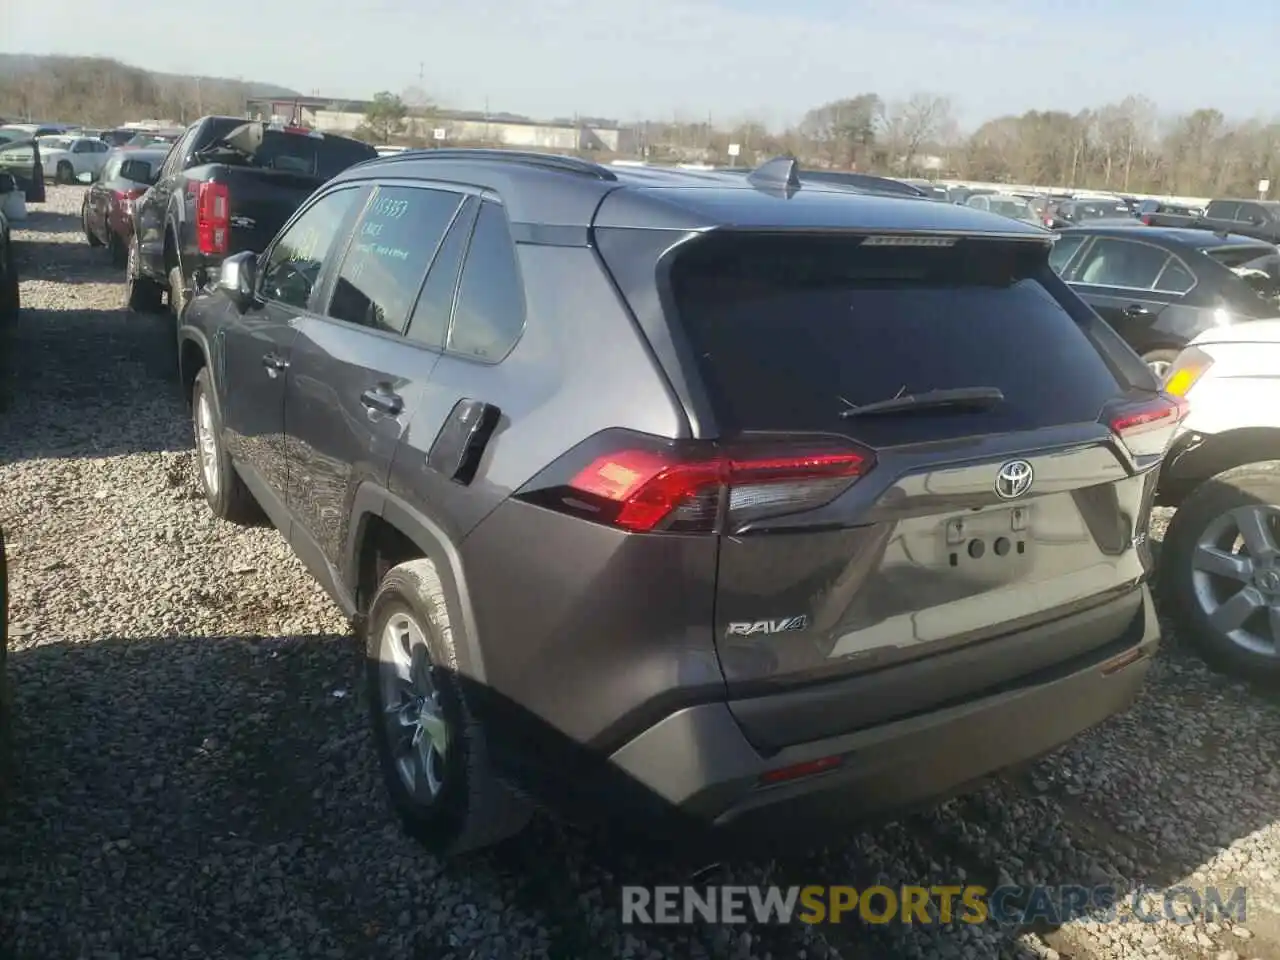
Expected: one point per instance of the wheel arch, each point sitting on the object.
(1200, 458)
(193, 355)
(386, 530)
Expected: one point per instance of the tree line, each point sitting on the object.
(1128, 145)
(1125, 146)
(102, 92)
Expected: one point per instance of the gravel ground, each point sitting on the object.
(196, 778)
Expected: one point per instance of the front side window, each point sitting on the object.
(293, 266)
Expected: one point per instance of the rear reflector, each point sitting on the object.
(647, 485)
(1147, 427)
(799, 770)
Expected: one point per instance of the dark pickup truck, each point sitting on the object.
(227, 185)
(1258, 219)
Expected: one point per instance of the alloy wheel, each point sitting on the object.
(417, 731)
(206, 443)
(1236, 577)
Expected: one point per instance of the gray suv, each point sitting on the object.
(757, 502)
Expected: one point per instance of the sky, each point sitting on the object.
(767, 60)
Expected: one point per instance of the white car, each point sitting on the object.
(1220, 565)
(67, 158)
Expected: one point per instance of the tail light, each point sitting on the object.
(124, 199)
(645, 484)
(213, 217)
(1147, 427)
(1146, 219)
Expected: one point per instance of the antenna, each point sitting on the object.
(779, 175)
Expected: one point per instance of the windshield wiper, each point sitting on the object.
(972, 398)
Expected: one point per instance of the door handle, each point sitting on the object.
(274, 364)
(381, 398)
(1136, 310)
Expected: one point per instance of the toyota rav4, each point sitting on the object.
(686, 491)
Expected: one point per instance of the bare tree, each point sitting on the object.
(912, 124)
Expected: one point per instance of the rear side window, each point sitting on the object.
(1064, 248)
(430, 321)
(391, 247)
(789, 332)
(489, 314)
(1221, 210)
(1121, 263)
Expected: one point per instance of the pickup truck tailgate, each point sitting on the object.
(261, 202)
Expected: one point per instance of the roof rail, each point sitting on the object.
(548, 161)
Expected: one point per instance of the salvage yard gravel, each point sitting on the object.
(196, 776)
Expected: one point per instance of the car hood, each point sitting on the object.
(1251, 331)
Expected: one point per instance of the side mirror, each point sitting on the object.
(238, 277)
(85, 177)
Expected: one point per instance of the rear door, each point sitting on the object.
(954, 526)
(21, 159)
(354, 378)
(1130, 283)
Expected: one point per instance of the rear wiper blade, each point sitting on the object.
(973, 398)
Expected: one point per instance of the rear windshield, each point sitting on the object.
(791, 331)
(1098, 211)
(1259, 267)
(320, 157)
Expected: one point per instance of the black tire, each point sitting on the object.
(472, 809)
(116, 247)
(64, 173)
(88, 231)
(1163, 356)
(6, 709)
(10, 295)
(228, 498)
(1252, 485)
(141, 294)
(177, 292)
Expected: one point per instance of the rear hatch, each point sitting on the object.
(929, 548)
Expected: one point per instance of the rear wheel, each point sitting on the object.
(141, 294)
(88, 230)
(1160, 361)
(1220, 567)
(115, 247)
(64, 172)
(10, 298)
(177, 292)
(431, 747)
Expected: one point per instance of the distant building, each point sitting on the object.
(346, 116)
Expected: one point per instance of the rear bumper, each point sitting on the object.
(699, 761)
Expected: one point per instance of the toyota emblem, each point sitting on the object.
(1014, 479)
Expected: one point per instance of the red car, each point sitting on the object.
(107, 212)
